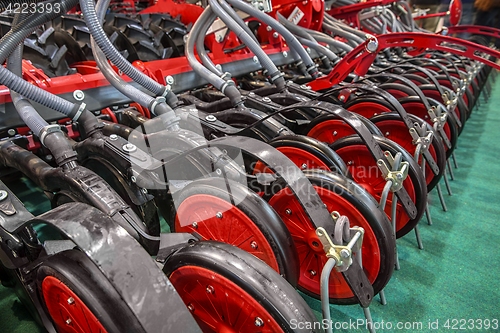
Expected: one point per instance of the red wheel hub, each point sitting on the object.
(330, 130)
(68, 312)
(218, 304)
(216, 219)
(365, 172)
(311, 255)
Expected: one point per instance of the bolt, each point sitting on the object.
(258, 322)
(218, 215)
(114, 108)
(219, 38)
(372, 45)
(169, 79)
(190, 307)
(210, 118)
(133, 179)
(350, 162)
(78, 95)
(387, 133)
(97, 112)
(399, 176)
(49, 157)
(266, 100)
(269, 28)
(3, 195)
(342, 98)
(68, 321)
(344, 253)
(285, 54)
(210, 289)
(308, 49)
(303, 166)
(129, 148)
(335, 133)
(194, 225)
(113, 137)
(254, 245)
(275, 35)
(312, 272)
(288, 211)
(11, 132)
(252, 94)
(71, 300)
(145, 190)
(218, 171)
(255, 59)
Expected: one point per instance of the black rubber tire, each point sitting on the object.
(414, 173)
(436, 144)
(257, 209)
(74, 269)
(254, 277)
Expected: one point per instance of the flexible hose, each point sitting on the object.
(125, 88)
(324, 38)
(287, 35)
(226, 87)
(298, 31)
(325, 297)
(255, 47)
(200, 44)
(96, 30)
(225, 6)
(352, 39)
(344, 26)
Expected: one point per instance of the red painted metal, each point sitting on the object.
(475, 30)
(235, 227)
(68, 312)
(218, 304)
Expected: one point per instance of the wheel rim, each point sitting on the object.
(216, 219)
(218, 304)
(398, 132)
(330, 131)
(364, 171)
(311, 254)
(67, 310)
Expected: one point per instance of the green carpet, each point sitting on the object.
(453, 280)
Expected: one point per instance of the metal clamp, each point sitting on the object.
(396, 173)
(341, 253)
(47, 130)
(422, 136)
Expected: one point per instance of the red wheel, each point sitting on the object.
(79, 299)
(68, 317)
(227, 290)
(366, 173)
(342, 195)
(230, 213)
(394, 129)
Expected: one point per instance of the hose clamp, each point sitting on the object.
(47, 130)
(168, 88)
(79, 112)
(276, 76)
(155, 102)
(225, 85)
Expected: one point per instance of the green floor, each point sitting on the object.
(454, 280)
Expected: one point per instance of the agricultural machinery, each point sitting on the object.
(205, 160)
